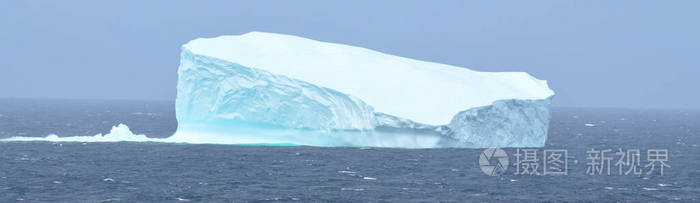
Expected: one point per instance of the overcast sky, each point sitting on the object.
(641, 54)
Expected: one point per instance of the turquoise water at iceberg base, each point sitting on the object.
(151, 170)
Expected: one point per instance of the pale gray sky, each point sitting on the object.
(593, 53)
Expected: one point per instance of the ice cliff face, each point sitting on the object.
(217, 90)
(501, 123)
(272, 88)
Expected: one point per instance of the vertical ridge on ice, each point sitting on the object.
(217, 90)
(505, 123)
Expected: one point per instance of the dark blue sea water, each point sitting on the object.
(157, 172)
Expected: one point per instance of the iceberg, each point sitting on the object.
(274, 88)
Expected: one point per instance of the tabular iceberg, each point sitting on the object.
(274, 88)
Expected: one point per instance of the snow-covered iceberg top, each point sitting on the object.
(424, 92)
(274, 88)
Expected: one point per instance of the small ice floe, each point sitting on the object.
(575, 117)
(664, 185)
(454, 170)
(108, 180)
(352, 189)
(589, 125)
(622, 119)
(297, 154)
(513, 180)
(609, 188)
(57, 182)
(182, 199)
(369, 178)
(649, 189)
(347, 172)
(579, 134)
(645, 178)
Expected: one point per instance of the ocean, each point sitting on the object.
(593, 142)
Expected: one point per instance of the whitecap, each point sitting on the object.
(369, 178)
(119, 133)
(142, 114)
(350, 172)
(110, 200)
(352, 189)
